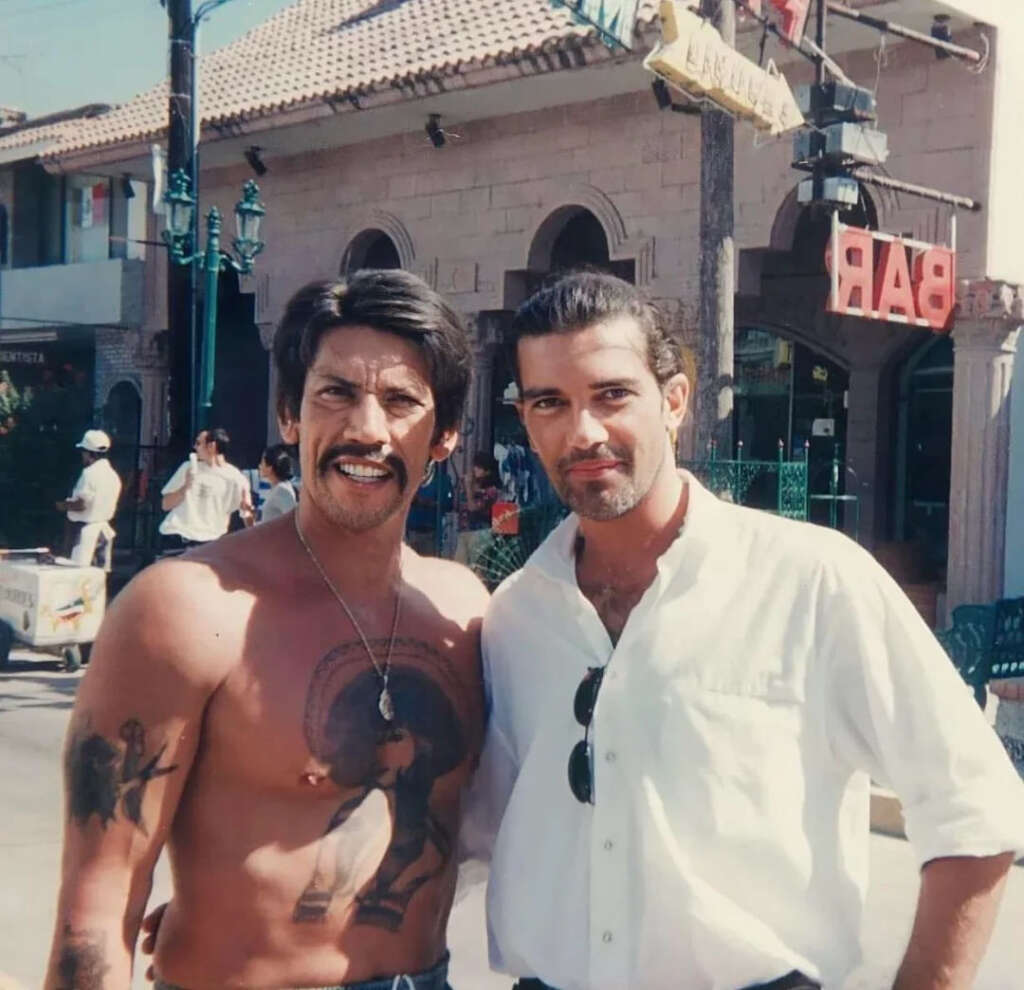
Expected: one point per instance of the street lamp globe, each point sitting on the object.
(248, 215)
(180, 206)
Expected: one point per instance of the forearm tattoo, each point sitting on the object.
(435, 730)
(104, 775)
(82, 963)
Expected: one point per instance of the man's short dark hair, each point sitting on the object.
(581, 299)
(391, 300)
(219, 436)
(278, 457)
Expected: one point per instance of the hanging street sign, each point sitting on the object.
(613, 18)
(904, 281)
(692, 57)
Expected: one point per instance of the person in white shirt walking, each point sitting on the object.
(92, 504)
(687, 700)
(201, 495)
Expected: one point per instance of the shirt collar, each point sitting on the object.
(556, 556)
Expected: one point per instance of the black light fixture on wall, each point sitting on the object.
(252, 156)
(435, 131)
(126, 187)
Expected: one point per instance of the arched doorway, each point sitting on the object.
(922, 456)
(371, 248)
(241, 373)
(122, 419)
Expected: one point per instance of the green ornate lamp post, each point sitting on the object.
(249, 213)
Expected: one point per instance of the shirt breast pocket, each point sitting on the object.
(741, 747)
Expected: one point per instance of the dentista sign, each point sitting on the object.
(883, 277)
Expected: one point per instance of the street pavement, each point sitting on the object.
(35, 701)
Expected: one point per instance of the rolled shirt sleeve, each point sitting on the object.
(903, 713)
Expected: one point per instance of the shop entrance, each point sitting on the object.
(786, 392)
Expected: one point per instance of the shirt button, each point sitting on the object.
(606, 937)
(611, 756)
(609, 845)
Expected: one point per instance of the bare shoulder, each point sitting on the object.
(184, 614)
(453, 589)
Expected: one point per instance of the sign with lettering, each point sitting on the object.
(614, 18)
(883, 277)
(692, 57)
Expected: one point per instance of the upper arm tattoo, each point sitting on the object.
(103, 774)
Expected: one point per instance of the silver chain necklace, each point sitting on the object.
(385, 704)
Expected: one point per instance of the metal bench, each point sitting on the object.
(986, 642)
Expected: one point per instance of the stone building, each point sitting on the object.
(555, 153)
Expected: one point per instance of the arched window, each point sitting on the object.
(370, 249)
(572, 237)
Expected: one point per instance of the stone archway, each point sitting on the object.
(367, 227)
(371, 248)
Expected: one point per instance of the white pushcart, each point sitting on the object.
(49, 604)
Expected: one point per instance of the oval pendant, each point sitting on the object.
(385, 706)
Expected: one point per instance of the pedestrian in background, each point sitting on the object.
(483, 487)
(277, 469)
(93, 502)
(202, 494)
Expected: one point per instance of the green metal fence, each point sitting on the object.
(779, 485)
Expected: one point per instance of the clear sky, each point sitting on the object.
(58, 54)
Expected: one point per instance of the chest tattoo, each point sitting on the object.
(436, 729)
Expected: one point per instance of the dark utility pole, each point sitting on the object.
(717, 261)
(181, 279)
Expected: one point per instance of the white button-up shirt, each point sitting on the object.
(99, 488)
(770, 667)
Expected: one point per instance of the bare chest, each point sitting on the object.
(612, 604)
(315, 709)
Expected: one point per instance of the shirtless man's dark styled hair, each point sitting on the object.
(580, 299)
(390, 300)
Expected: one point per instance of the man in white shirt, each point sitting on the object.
(203, 492)
(92, 504)
(688, 699)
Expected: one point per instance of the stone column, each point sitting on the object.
(988, 322)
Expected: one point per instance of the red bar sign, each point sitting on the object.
(794, 16)
(902, 281)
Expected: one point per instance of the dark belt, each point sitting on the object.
(791, 981)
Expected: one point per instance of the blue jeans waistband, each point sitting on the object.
(435, 978)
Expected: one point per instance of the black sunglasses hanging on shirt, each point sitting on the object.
(581, 759)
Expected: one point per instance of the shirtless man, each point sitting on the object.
(294, 709)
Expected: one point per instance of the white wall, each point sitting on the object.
(1013, 585)
(1005, 207)
(95, 292)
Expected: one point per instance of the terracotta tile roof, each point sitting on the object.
(49, 130)
(317, 49)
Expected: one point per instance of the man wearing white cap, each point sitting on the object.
(93, 502)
